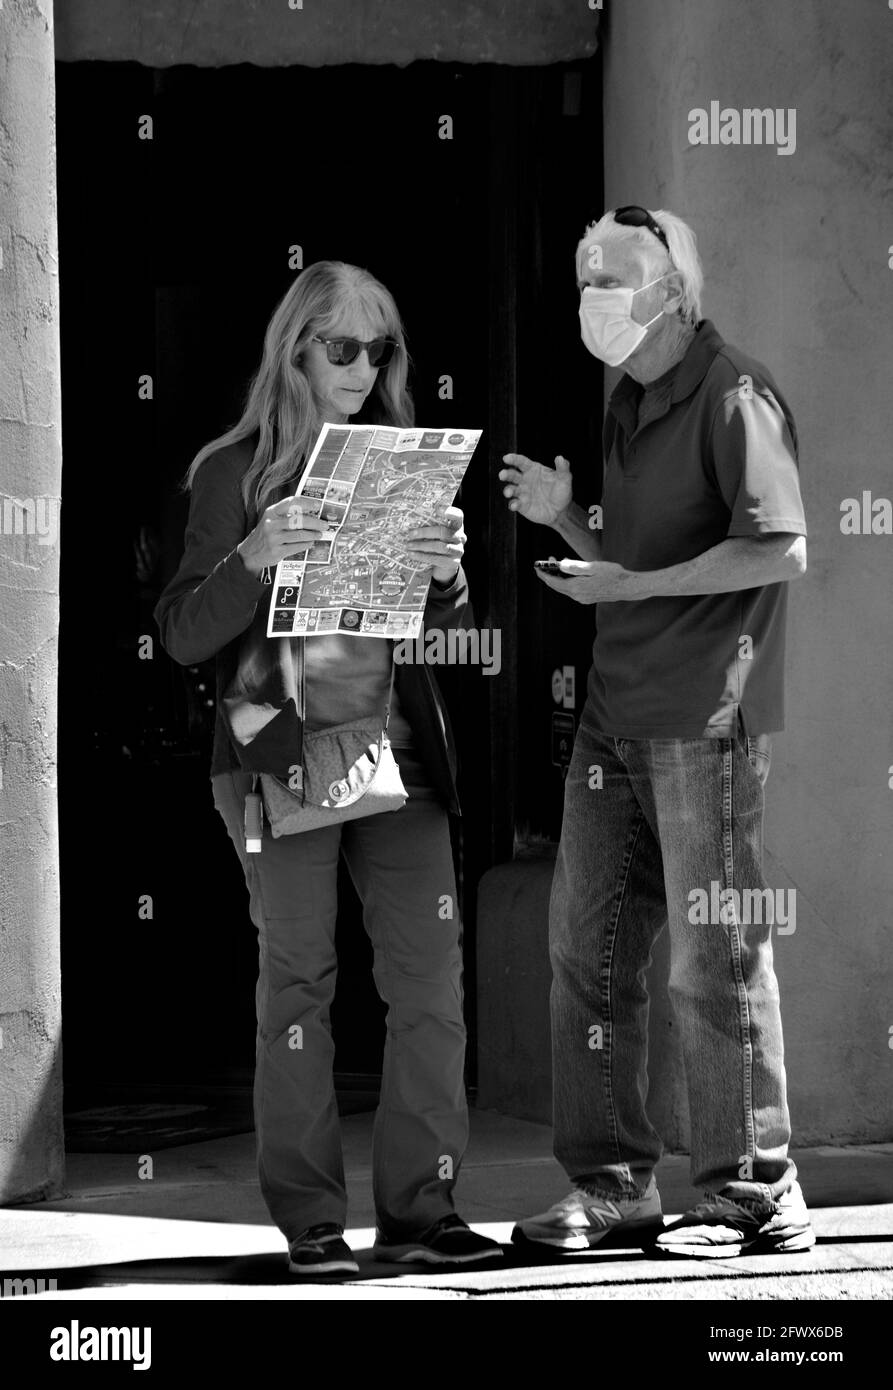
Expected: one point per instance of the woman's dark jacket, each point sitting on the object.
(213, 599)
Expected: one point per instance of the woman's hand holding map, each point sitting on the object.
(284, 532)
(438, 546)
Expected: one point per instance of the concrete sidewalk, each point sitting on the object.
(199, 1229)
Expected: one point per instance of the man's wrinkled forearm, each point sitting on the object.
(574, 528)
(741, 562)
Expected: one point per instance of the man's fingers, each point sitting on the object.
(567, 587)
(518, 463)
(521, 464)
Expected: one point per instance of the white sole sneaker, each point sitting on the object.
(325, 1267)
(583, 1222)
(633, 1234)
(416, 1253)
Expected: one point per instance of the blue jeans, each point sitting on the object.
(647, 822)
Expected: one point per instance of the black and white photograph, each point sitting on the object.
(446, 687)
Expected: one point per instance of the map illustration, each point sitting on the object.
(371, 484)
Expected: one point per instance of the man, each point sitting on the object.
(703, 526)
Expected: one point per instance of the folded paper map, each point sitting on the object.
(371, 483)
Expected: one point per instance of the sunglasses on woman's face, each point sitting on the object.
(342, 351)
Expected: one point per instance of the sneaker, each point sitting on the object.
(584, 1220)
(321, 1250)
(723, 1227)
(449, 1242)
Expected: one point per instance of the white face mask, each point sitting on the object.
(606, 323)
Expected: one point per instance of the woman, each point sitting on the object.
(334, 345)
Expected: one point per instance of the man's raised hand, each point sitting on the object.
(540, 494)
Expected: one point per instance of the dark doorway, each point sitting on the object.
(173, 252)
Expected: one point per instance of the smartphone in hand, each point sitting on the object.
(551, 567)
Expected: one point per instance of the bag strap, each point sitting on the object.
(387, 708)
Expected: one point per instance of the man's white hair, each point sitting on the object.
(683, 253)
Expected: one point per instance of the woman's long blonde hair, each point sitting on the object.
(280, 402)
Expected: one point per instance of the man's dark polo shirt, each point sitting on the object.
(713, 458)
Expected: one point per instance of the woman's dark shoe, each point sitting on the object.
(449, 1242)
(321, 1249)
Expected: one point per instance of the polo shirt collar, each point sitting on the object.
(702, 349)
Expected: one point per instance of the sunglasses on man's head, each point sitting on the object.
(634, 216)
(342, 351)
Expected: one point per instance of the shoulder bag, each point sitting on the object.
(345, 772)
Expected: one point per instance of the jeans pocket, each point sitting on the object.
(759, 752)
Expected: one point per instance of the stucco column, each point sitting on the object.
(795, 232)
(31, 1139)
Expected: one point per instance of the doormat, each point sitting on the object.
(133, 1122)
